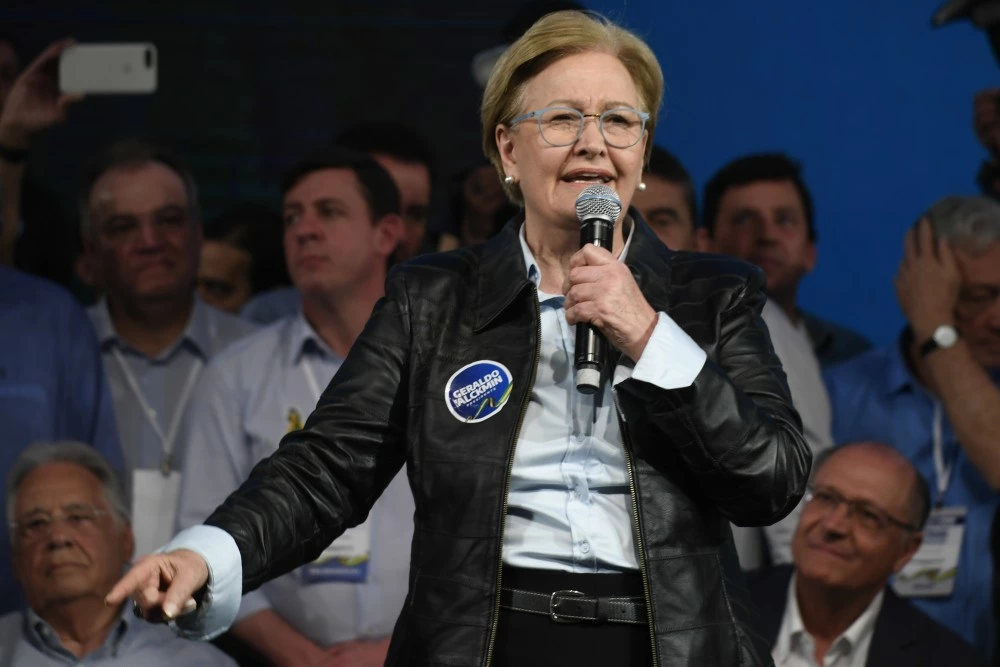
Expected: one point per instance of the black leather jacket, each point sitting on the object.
(727, 448)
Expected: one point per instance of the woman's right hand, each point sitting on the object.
(162, 585)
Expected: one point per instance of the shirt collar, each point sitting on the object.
(200, 332)
(535, 275)
(793, 630)
(41, 635)
(302, 339)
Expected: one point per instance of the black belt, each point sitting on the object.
(575, 607)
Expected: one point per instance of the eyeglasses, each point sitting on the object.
(563, 126)
(869, 517)
(39, 524)
(972, 302)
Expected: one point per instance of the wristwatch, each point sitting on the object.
(943, 337)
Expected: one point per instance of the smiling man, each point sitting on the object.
(861, 523)
(71, 540)
(934, 394)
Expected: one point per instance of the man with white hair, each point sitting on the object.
(935, 395)
(71, 540)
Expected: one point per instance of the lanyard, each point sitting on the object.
(307, 370)
(942, 472)
(166, 440)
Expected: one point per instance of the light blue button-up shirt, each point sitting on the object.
(249, 397)
(590, 443)
(28, 641)
(162, 380)
(569, 506)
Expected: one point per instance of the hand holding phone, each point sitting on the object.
(35, 102)
(108, 69)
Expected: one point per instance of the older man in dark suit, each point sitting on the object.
(861, 523)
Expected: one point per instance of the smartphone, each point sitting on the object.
(108, 69)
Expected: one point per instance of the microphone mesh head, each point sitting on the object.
(598, 201)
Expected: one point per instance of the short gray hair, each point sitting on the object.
(131, 154)
(969, 223)
(67, 451)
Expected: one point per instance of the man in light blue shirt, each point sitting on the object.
(935, 396)
(71, 539)
(341, 226)
(52, 384)
(142, 235)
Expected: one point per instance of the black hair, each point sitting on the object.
(255, 228)
(387, 138)
(752, 169)
(665, 164)
(377, 187)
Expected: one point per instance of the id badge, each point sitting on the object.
(345, 560)
(154, 508)
(931, 572)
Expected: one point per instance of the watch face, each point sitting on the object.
(945, 336)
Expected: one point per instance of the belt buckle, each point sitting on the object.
(552, 605)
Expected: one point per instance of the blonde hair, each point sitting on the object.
(552, 38)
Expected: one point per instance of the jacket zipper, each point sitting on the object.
(506, 484)
(623, 425)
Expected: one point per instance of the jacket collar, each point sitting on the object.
(896, 639)
(503, 274)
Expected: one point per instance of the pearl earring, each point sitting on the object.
(508, 180)
(641, 187)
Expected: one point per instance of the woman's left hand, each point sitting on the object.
(601, 290)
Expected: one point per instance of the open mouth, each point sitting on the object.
(589, 177)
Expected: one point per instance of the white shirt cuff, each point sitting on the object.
(225, 581)
(671, 359)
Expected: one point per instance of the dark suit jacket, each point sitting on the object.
(903, 635)
(833, 343)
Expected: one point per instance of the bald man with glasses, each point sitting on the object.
(862, 521)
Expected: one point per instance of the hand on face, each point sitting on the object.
(928, 281)
(601, 290)
(34, 102)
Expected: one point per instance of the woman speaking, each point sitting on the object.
(552, 526)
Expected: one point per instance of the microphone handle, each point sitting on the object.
(591, 347)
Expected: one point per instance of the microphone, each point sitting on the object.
(597, 209)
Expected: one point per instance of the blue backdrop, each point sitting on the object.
(875, 102)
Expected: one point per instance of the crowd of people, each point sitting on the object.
(209, 341)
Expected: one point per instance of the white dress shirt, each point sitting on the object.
(794, 646)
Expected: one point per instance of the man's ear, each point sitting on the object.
(702, 241)
(910, 548)
(810, 256)
(389, 231)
